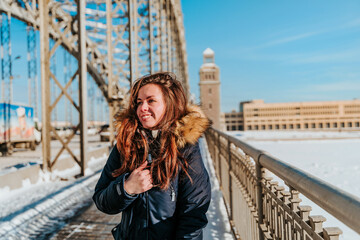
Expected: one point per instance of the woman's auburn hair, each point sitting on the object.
(130, 139)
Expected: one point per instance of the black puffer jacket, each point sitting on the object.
(175, 213)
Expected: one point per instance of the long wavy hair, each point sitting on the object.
(132, 144)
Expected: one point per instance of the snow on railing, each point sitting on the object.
(261, 208)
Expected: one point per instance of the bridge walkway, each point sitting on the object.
(93, 224)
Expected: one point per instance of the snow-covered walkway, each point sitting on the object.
(218, 227)
(37, 209)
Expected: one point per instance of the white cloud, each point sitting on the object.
(283, 40)
(337, 86)
(346, 55)
(355, 23)
(291, 38)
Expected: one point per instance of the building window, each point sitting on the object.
(306, 125)
(277, 126)
(335, 125)
(327, 125)
(320, 125)
(233, 128)
(298, 126)
(313, 125)
(263, 127)
(357, 124)
(270, 127)
(209, 60)
(249, 127)
(227, 128)
(342, 124)
(284, 126)
(349, 124)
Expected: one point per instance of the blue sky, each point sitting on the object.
(279, 51)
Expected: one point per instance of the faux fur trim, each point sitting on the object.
(190, 128)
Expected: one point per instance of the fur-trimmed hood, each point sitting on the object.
(191, 127)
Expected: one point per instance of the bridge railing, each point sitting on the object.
(261, 208)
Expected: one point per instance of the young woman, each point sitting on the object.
(155, 175)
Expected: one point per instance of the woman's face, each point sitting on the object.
(150, 105)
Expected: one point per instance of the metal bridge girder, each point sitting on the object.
(115, 42)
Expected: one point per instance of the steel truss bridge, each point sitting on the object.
(114, 42)
(110, 43)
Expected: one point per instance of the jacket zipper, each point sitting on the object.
(147, 203)
(173, 195)
(147, 215)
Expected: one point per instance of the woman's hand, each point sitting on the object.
(139, 180)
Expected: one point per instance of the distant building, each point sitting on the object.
(327, 115)
(210, 88)
(234, 121)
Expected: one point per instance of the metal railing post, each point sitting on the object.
(230, 181)
(219, 158)
(259, 196)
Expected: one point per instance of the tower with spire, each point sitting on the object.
(210, 88)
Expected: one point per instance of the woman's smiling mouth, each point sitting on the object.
(145, 117)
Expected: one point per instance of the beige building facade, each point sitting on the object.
(210, 88)
(326, 115)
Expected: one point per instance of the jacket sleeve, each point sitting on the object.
(193, 197)
(110, 196)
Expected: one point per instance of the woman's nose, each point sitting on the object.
(144, 106)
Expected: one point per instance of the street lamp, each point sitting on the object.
(12, 77)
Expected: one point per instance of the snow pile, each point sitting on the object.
(41, 218)
(35, 211)
(218, 227)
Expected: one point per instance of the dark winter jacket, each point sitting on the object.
(175, 213)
